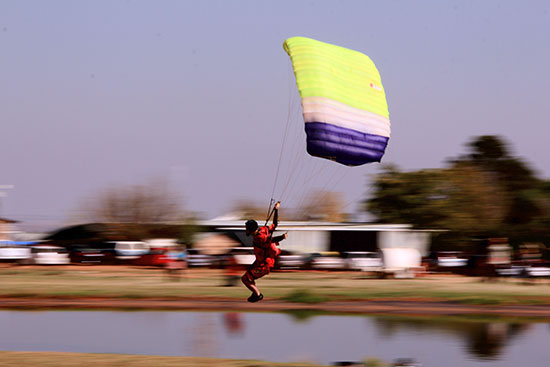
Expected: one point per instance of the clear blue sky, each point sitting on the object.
(95, 94)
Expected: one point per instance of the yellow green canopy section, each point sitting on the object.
(343, 101)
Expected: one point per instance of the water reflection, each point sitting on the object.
(302, 316)
(300, 336)
(234, 324)
(484, 340)
(488, 341)
(204, 334)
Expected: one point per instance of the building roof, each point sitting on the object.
(233, 225)
(216, 243)
(5, 220)
(102, 232)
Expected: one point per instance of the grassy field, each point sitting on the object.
(305, 287)
(53, 359)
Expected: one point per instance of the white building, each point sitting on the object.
(310, 237)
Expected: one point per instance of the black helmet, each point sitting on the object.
(251, 225)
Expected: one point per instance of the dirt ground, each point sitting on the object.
(127, 287)
(410, 307)
(55, 359)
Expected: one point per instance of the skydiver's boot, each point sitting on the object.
(255, 298)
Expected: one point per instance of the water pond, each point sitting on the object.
(280, 337)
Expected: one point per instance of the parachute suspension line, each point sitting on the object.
(328, 126)
(279, 164)
(330, 182)
(301, 168)
(296, 166)
(272, 200)
(271, 211)
(299, 162)
(300, 173)
(355, 201)
(312, 172)
(361, 198)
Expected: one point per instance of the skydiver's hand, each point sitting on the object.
(277, 205)
(285, 235)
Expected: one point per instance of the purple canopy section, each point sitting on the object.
(345, 146)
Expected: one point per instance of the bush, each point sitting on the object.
(304, 296)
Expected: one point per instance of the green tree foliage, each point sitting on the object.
(485, 192)
(526, 197)
(459, 198)
(189, 230)
(408, 197)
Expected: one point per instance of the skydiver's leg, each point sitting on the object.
(256, 271)
(248, 281)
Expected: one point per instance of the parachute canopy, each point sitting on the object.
(343, 102)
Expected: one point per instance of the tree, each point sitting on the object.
(485, 192)
(189, 229)
(460, 198)
(512, 175)
(248, 209)
(152, 202)
(487, 149)
(320, 205)
(407, 197)
(476, 203)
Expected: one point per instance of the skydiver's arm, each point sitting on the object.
(276, 214)
(280, 238)
(276, 218)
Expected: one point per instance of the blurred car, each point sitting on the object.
(525, 268)
(197, 259)
(325, 261)
(50, 255)
(130, 250)
(406, 362)
(538, 270)
(289, 260)
(450, 259)
(154, 257)
(83, 254)
(511, 271)
(242, 255)
(348, 363)
(363, 261)
(19, 254)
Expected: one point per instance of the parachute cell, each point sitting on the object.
(343, 102)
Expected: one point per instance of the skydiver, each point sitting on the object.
(265, 250)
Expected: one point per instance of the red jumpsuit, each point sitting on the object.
(266, 251)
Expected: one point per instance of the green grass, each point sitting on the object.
(299, 287)
(305, 296)
(480, 300)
